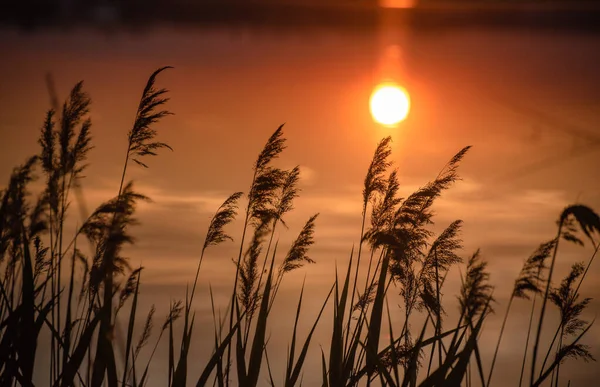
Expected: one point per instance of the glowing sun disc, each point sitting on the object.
(389, 104)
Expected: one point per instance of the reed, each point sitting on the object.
(50, 287)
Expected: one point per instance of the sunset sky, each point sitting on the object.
(527, 101)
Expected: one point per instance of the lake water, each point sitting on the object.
(527, 100)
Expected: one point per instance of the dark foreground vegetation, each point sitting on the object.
(72, 290)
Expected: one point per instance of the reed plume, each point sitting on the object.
(375, 177)
(297, 255)
(475, 293)
(374, 183)
(174, 314)
(528, 281)
(216, 234)
(224, 215)
(289, 192)
(267, 180)
(382, 214)
(142, 134)
(72, 147)
(442, 253)
(249, 272)
(262, 196)
(589, 223)
(146, 332)
(130, 287)
(366, 298)
(565, 299)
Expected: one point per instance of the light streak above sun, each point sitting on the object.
(390, 104)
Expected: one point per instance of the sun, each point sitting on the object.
(389, 104)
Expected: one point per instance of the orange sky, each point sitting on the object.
(231, 89)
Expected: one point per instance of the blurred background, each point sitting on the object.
(518, 80)
(31, 14)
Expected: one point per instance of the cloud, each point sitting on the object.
(308, 176)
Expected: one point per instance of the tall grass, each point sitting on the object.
(50, 285)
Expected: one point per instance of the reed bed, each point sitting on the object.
(74, 289)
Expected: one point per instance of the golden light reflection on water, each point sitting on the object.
(397, 3)
(390, 100)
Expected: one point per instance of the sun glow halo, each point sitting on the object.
(389, 104)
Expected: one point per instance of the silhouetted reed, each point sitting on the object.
(80, 307)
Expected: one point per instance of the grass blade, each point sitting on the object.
(300, 363)
(130, 325)
(336, 364)
(258, 345)
(216, 357)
